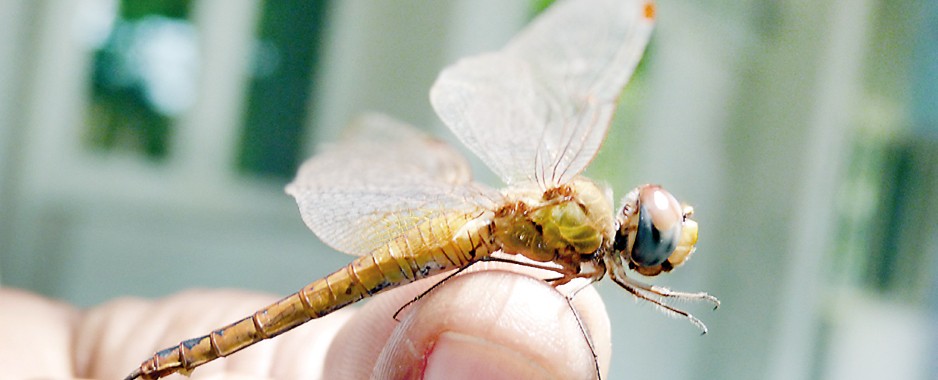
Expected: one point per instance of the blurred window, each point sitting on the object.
(887, 201)
(144, 75)
(286, 53)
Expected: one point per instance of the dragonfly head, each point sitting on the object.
(654, 233)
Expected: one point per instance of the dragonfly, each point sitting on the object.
(536, 113)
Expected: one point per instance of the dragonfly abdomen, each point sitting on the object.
(433, 247)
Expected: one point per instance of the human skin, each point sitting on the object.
(487, 324)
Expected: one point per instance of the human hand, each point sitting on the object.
(487, 324)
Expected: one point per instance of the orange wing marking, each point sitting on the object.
(650, 10)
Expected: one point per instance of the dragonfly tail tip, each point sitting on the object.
(133, 375)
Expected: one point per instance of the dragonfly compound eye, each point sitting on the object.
(658, 230)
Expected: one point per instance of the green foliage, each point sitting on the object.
(539, 6)
(138, 9)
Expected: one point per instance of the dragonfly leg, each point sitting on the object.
(430, 289)
(594, 276)
(637, 292)
(566, 274)
(668, 293)
(566, 277)
(530, 265)
(596, 273)
(585, 332)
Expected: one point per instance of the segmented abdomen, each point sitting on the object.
(433, 247)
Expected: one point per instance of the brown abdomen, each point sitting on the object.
(433, 247)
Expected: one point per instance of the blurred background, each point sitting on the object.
(144, 147)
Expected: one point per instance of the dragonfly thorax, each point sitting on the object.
(565, 224)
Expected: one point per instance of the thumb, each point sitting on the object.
(487, 324)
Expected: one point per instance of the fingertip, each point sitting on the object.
(458, 356)
(496, 324)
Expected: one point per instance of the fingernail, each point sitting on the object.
(459, 356)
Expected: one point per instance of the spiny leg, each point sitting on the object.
(586, 335)
(530, 265)
(637, 292)
(579, 321)
(430, 289)
(594, 276)
(565, 274)
(568, 297)
(668, 293)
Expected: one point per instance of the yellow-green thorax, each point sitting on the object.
(562, 224)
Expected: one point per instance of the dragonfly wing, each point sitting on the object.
(382, 179)
(538, 110)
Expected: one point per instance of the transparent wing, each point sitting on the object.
(538, 110)
(382, 179)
